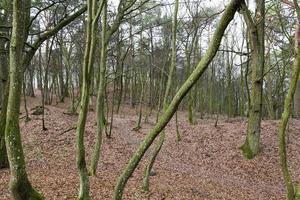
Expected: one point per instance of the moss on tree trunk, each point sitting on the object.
(100, 95)
(19, 183)
(84, 103)
(291, 194)
(251, 146)
(184, 89)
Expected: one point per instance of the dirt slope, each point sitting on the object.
(206, 164)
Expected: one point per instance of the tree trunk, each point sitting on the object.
(297, 101)
(100, 95)
(20, 186)
(184, 89)
(282, 131)
(251, 146)
(3, 98)
(3, 153)
(84, 102)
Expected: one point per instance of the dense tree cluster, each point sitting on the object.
(156, 57)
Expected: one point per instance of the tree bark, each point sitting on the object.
(256, 28)
(85, 94)
(19, 184)
(100, 95)
(282, 131)
(3, 97)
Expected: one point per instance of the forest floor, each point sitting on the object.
(205, 164)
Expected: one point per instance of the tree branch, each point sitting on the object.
(58, 27)
(236, 52)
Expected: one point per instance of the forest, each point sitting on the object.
(149, 99)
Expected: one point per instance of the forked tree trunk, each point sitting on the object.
(106, 36)
(251, 146)
(93, 14)
(100, 95)
(19, 184)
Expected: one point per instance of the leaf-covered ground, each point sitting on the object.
(206, 164)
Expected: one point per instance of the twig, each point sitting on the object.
(70, 129)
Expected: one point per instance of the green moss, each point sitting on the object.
(34, 195)
(246, 150)
(251, 146)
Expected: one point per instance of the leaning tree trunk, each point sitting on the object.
(256, 35)
(184, 89)
(20, 186)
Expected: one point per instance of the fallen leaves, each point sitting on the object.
(206, 164)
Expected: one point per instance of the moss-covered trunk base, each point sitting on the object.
(158, 147)
(22, 190)
(251, 147)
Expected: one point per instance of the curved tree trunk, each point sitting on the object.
(282, 135)
(106, 36)
(292, 193)
(184, 89)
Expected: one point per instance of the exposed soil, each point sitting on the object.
(206, 164)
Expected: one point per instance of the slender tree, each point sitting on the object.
(93, 15)
(293, 193)
(100, 94)
(106, 35)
